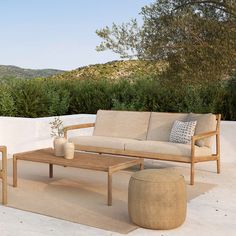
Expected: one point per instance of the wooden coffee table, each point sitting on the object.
(90, 161)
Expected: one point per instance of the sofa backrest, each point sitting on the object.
(122, 124)
(161, 123)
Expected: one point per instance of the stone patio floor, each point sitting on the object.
(213, 213)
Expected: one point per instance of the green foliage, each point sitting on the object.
(29, 99)
(41, 97)
(229, 104)
(35, 98)
(7, 104)
(196, 38)
(89, 96)
(57, 97)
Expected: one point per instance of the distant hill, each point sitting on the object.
(114, 70)
(17, 72)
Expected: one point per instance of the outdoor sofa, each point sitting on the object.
(146, 135)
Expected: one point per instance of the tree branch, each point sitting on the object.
(216, 4)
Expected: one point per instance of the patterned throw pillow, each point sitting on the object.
(182, 132)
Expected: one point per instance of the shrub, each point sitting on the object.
(57, 97)
(7, 104)
(42, 97)
(229, 103)
(87, 96)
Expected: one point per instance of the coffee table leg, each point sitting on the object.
(142, 166)
(109, 195)
(50, 170)
(14, 172)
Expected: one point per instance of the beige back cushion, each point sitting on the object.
(161, 124)
(122, 124)
(205, 123)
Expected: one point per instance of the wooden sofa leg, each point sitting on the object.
(218, 165)
(192, 174)
(4, 174)
(4, 188)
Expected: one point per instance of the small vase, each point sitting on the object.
(58, 144)
(69, 150)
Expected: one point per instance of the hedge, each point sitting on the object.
(44, 97)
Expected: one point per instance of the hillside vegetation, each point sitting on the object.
(114, 70)
(21, 73)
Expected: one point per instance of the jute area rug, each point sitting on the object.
(79, 195)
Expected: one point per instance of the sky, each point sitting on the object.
(59, 34)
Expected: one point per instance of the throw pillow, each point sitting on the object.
(182, 132)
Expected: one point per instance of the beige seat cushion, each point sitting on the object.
(122, 124)
(205, 123)
(100, 142)
(167, 148)
(161, 124)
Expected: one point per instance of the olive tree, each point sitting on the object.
(197, 38)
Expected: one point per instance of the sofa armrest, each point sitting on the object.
(80, 126)
(203, 135)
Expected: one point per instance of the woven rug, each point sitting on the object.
(78, 195)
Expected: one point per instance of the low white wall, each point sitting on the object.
(22, 134)
(228, 141)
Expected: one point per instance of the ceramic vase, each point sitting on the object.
(58, 144)
(69, 150)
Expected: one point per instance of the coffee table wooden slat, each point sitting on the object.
(90, 161)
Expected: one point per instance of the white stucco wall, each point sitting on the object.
(228, 141)
(22, 134)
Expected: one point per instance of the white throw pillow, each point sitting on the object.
(182, 132)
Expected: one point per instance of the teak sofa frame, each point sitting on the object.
(163, 157)
(3, 174)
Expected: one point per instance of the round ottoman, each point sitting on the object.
(157, 199)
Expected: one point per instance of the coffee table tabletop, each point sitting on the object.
(84, 160)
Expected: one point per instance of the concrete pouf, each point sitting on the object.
(157, 199)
